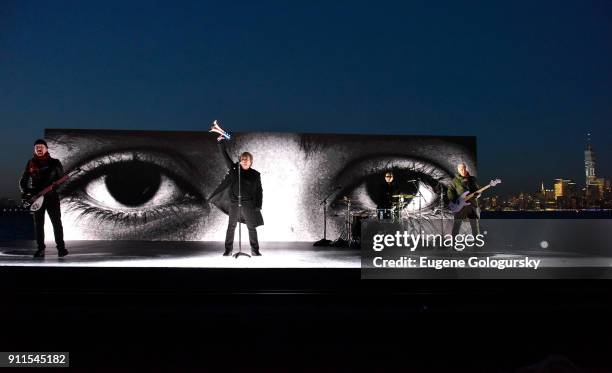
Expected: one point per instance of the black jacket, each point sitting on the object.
(387, 191)
(224, 195)
(39, 174)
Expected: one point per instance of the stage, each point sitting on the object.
(173, 254)
(193, 254)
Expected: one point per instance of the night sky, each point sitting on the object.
(529, 79)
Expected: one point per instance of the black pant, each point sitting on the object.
(468, 212)
(247, 213)
(51, 204)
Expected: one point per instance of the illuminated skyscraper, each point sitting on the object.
(561, 188)
(589, 163)
(594, 185)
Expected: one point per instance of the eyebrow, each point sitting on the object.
(181, 158)
(311, 143)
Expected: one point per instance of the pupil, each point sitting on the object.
(375, 186)
(133, 184)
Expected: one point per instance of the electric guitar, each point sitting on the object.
(464, 198)
(35, 203)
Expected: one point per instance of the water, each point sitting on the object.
(16, 226)
(563, 214)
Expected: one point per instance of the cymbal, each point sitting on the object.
(403, 196)
(347, 200)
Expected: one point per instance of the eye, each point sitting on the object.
(133, 195)
(418, 181)
(146, 187)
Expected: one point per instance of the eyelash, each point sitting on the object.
(98, 164)
(436, 173)
(422, 168)
(104, 215)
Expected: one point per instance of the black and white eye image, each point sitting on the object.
(135, 193)
(419, 182)
(144, 185)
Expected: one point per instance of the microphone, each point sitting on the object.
(413, 180)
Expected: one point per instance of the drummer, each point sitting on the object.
(388, 189)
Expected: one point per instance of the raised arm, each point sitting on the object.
(224, 155)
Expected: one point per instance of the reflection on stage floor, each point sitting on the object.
(172, 254)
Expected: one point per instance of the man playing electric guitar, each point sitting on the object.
(462, 194)
(464, 182)
(40, 172)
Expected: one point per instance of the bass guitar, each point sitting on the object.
(464, 198)
(35, 202)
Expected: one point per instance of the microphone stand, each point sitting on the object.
(417, 182)
(324, 241)
(441, 208)
(349, 231)
(240, 253)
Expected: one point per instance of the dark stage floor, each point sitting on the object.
(295, 318)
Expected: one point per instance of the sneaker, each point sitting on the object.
(227, 252)
(255, 252)
(39, 253)
(62, 253)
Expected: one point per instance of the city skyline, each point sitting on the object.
(590, 168)
(565, 194)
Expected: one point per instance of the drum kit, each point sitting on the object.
(397, 210)
(354, 215)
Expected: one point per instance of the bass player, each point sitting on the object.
(40, 172)
(464, 182)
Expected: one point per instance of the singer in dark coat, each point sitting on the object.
(225, 197)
